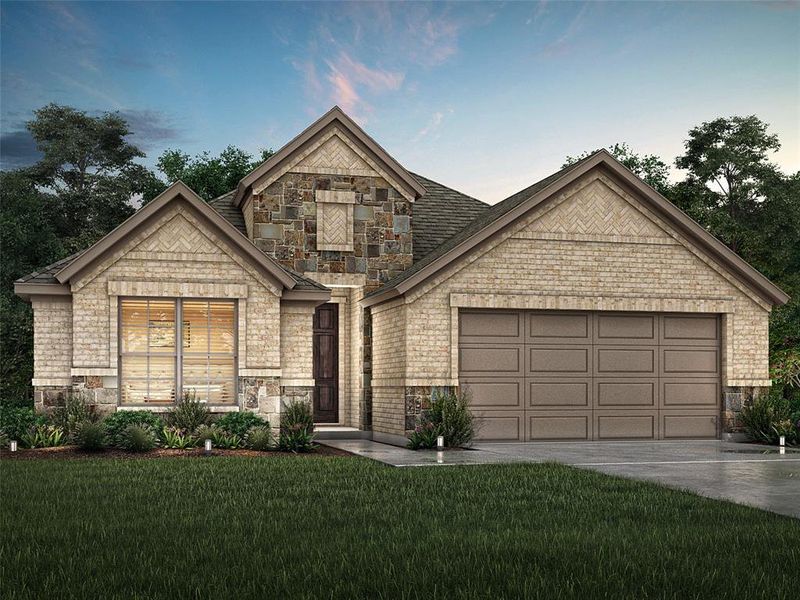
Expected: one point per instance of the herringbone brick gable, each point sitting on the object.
(335, 154)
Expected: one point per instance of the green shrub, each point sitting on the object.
(296, 428)
(91, 436)
(765, 415)
(424, 435)
(172, 437)
(117, 422)
(239, 422)
(73, 413)
(188, 413)
(43, 436)
(450, 411)
(5, 441)
(16, 422)
(259, 438)
(218, 436)
(137, 438)
(204, 432)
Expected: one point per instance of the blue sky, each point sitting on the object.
(485, 97)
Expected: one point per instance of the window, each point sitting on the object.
(157, 357)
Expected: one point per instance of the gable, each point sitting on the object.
(178, 236)
(333, 155)
(597, 209)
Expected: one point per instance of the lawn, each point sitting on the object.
(288, 527)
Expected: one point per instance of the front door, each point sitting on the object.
(326, 363)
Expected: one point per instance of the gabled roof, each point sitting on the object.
(233, 214)
(54, 278)
(334, 115)
(440, 214)
(504, 213)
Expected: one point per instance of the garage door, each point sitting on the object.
(550, 375)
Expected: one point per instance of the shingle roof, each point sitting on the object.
(484, 219)
(233, 214)
(440, 214)
(47, 274)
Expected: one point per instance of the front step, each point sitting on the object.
(338, 432)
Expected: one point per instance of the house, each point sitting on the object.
(583, 307)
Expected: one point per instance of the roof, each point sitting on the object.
(500, 215)
(360, 138)
(233, 214)
(440, 214)
(48, 274)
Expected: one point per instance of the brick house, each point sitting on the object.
(583, 307)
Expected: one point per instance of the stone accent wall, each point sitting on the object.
(595, 248)
(285, 226)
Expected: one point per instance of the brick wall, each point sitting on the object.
(52, 344)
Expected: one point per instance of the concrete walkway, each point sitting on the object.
(745, 473)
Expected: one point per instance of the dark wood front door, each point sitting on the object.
(326, 363)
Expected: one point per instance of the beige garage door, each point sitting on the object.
(551, 375)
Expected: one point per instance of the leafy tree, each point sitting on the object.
(209, 176)
(648, 167)
(728, 168)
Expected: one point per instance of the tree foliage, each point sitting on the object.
(648, 167)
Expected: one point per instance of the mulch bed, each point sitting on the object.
(73, 452)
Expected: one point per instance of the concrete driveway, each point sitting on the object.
(744, 473)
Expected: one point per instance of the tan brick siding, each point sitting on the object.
(52, 341)
(297, 341)
(177, 248)
(388, 410)
(625, 261)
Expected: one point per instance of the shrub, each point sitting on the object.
(188, 413)
(218, 436)
(117, 422)
(16, 422)
(204, 432)
(297, 428)
(70, 415)
(172, 437)
(259, 438)
(240, 422)
(424, 435)
(450, 411)
(5, 441)
(43, 436)
(137, 438)
(763, 416)
(91, 436)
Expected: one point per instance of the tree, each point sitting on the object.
(209, 176)
(728, 167)
(88, 167)
(648, 167)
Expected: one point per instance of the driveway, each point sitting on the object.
(748, 474)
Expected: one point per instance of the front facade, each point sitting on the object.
(584, 307)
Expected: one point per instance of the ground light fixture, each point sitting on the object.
(440, 442)
(13, 445)
(207, 446)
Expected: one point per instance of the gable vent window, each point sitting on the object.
(158, 357)
(335, 220)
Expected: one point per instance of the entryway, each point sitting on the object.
(326, 363)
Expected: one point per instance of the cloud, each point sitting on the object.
(150, 128)
(17, 150)
(562, 44)
(433, 124)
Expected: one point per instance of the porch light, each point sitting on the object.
(13, 445)
(207, 446)
(440, 442)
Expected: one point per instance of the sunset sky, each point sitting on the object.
(485, 97)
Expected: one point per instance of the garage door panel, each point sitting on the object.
(623, 393)
(497, 425)
(626, 425)
(694, 393)
(624, 329)
(690, 330)
(634, 362)
(569, 361)
(559, 426)
(498, 360)
(689, 362)
(491, 326)
(683, 424)
(551, 394)
(493, 393)
(558, 328)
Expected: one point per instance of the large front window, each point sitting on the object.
(168, 345)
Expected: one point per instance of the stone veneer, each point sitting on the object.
(592, 248)
(284, 225)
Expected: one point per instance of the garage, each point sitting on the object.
(558, 375)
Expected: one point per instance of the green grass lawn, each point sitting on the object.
(350, 528)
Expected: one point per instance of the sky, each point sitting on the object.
(484, 97)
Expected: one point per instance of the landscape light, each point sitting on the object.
(13, 445)
(782, 440)
(208, 446)
(440, 442)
